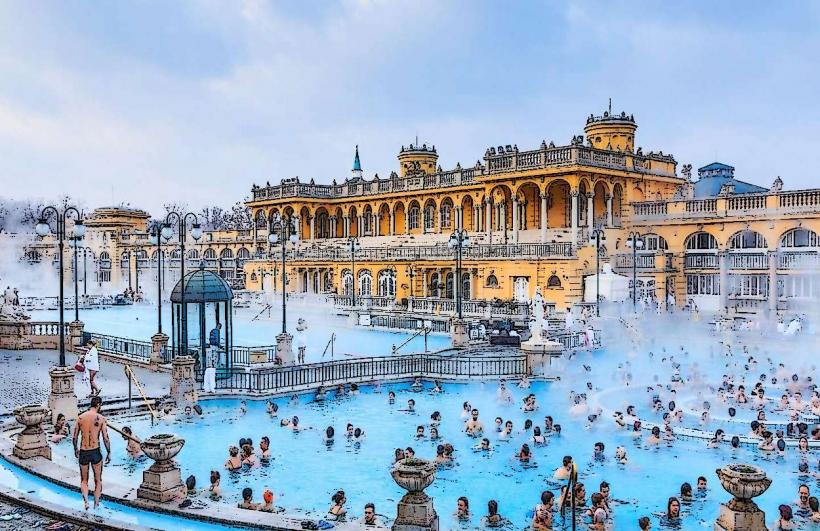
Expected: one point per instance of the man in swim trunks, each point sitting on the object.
(90, 425)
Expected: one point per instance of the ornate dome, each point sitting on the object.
(202, 286)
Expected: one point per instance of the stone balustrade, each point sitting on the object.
(741, 205)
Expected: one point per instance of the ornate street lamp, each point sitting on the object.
(282, 231)
(44, 229)
(596, 238)
(74, 240)
(354, 246)
(634, 241)
(458, 240)
(157, 235)
(196, 234)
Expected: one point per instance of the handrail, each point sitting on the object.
(330, 345)
(133, 378)
(424, 330)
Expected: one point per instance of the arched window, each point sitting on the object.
(435, 285)
(193, 254)
(448, 287)
(365, 283)
(226, 253)
(430, 217)
(465, 286)
(492, 281)
(413, 217)
(243, 254)
(701, 241)
(387, 283)
(210, 254)
(176, 254)
(347, 283)
(653, 242)
(800, 238)
(747, 239)
(446, 215)
(125, 260)
(554, 282)
(33, 256)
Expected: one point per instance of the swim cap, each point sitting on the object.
(267, 496)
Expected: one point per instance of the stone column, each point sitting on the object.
(773, 282)
(284, 346)
(459, 333)
(724, 279)
(32, 441)
(590, 210)
(543, 197)
(183, 383)
(407, 220)
(62, 398)
(516, 219)
(392, 223)
(459, 218)
(162, 481)
(159, 343)
(313, 227)
(75, 334)
(488, 217)
(574, 217)
(377, 221)
(609, 210)
(476, 218)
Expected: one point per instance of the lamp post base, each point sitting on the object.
(284, 348)
(159, 343)
(62, 398)
(460, 333)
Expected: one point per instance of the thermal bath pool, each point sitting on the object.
(254, 327)
(304, 472)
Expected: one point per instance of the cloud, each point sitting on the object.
(154, 102)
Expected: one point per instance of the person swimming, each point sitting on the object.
(234, 462)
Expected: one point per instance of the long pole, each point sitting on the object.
(458, 274)
(634, 271)
(76, 283)
(61, 236)
(284, 280)
(353, 267)
(182, 337)
(85, 272)
(159, 278)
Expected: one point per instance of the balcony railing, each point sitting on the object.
(806, 260)
(748, 261)
(440, 306)
(701, 261)
(430, 252)
(769, 203)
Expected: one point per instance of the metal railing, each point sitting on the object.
(420, 252)
(359, 370)
(122, 346)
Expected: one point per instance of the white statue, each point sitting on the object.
(11, 310)
(537, 312)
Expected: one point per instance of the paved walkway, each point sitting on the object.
(24, 378)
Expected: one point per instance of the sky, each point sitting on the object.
(153, 102)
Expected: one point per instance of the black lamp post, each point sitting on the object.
(156, 239)
(353, 243)
(597, 237)
(635, 241)
(282, 231)
(74, 240)
(196, 234)
(458, 240)
(43, 229)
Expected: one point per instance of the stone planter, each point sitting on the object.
(415, 510)
(162, 480)
(744, 482)
(32, 440)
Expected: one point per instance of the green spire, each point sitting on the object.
(357, 164)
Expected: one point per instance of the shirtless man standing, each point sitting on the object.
(91, 425)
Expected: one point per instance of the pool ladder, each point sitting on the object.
(424, 330)
(132, 378)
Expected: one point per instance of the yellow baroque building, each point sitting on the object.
(714, 241)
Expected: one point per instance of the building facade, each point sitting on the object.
(715, 240)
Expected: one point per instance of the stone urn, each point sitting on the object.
(743, 482)
(32, 440)
(162, 480)
(415, 510)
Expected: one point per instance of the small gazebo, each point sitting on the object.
(212, 297)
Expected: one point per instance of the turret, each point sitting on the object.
(614, 132)
(417, 160)
(356, 172)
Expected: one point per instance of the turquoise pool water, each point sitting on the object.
(305, 471)
(139, 321)
(26, 483)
